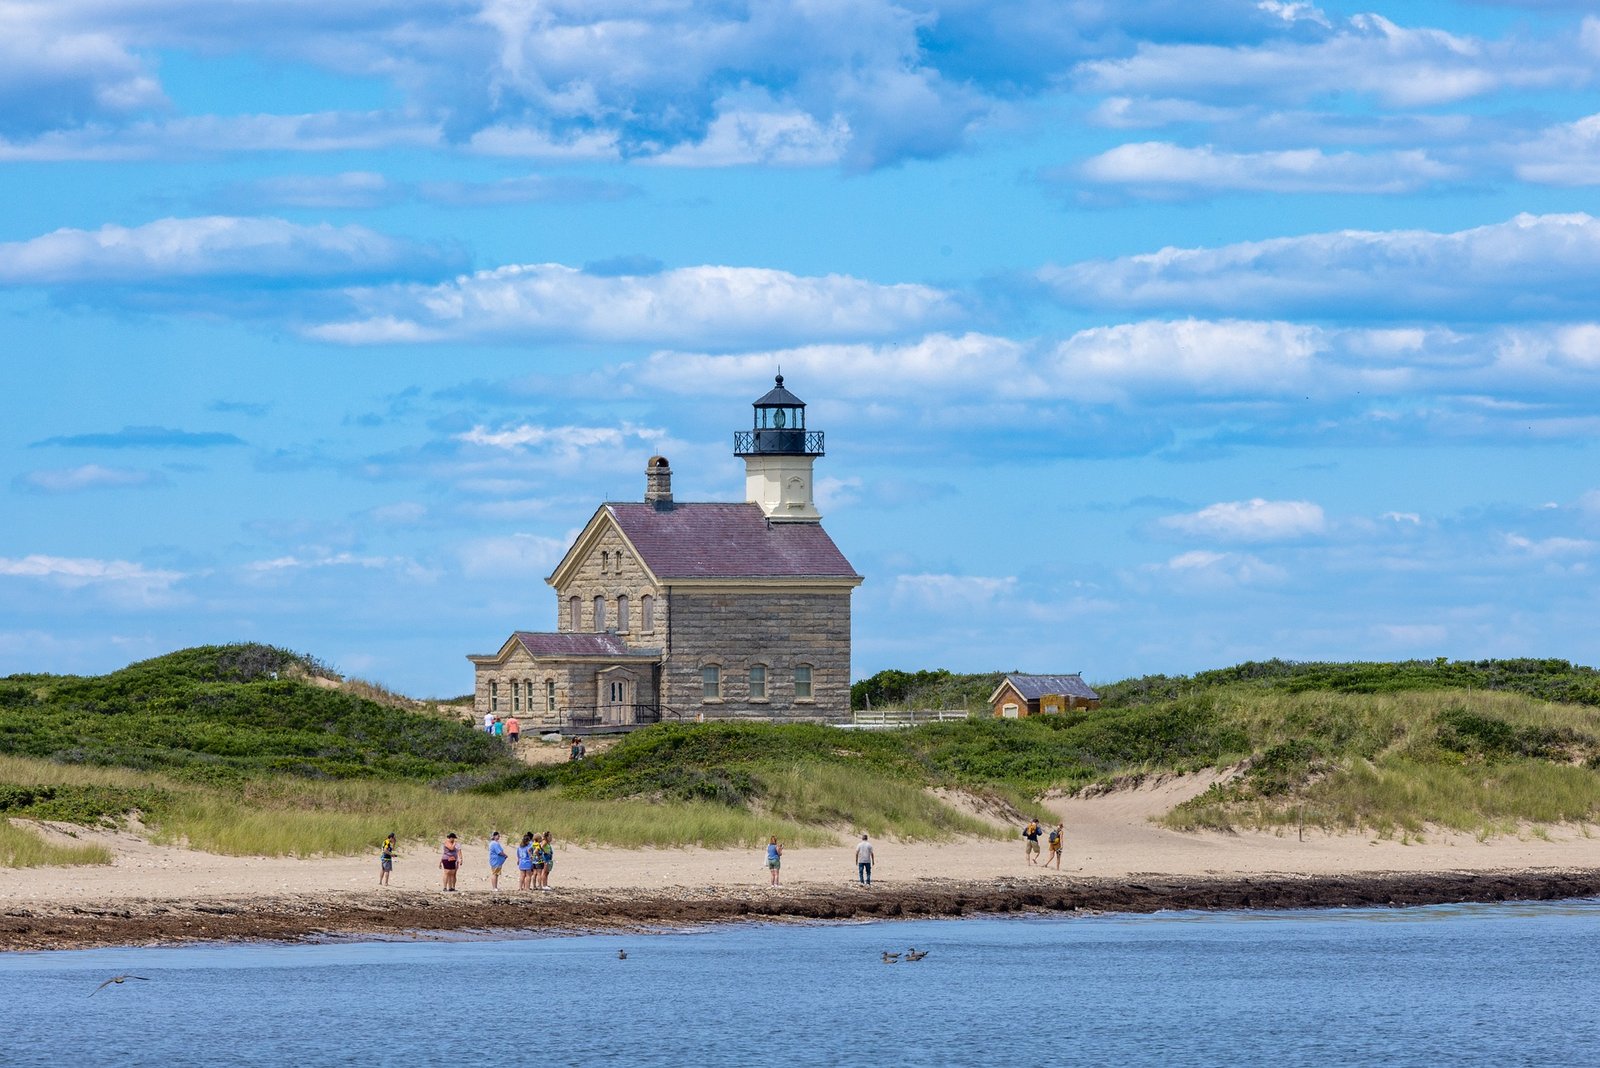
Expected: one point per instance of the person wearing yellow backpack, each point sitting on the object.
(1057, 836)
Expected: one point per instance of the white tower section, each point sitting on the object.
(778, 452)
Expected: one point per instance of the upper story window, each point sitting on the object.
(605, 563)
(802, 682)
(572, 614)
(516, 696)
(599, 614)
(647, 609)
(711, 683)
(622, 613)
(758, 682)
(618, 561)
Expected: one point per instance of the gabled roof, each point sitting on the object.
(1033, 687)
(726, 541)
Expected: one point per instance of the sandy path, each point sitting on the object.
(1109, 836)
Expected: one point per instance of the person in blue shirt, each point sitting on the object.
(774, 858)
(525, 862)
(497, 860)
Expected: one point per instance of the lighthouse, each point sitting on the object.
(778, 451)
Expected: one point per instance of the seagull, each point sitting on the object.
(117, 979)
(622, 954)
(891, 958)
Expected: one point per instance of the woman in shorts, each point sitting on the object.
(547, 859)
(774, 858)
(386, 859)
(525, 862)
(497, 860)
(450, 861)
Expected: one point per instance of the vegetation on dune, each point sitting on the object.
(226, 713)
(233, 749)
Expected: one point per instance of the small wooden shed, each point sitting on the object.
(1020, 696)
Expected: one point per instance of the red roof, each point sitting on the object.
(727, 541)
(539, 643)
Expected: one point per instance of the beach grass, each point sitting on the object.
(21, 847)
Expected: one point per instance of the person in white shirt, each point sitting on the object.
(864, 862)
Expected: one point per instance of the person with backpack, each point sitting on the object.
(1031, 833)
(1057, 835)
(386, 859)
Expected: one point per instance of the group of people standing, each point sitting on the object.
(536, 858)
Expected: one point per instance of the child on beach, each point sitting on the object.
(386, 859)
(497, 860)
(547, 856)
(525, 862)
(774, 857)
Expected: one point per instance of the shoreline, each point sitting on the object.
(418, 914)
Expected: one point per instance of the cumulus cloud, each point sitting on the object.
(1158, 169)
(214, 247)
(1255, 520)
(693, 305)
(53, 75)
(1567, 154)
(1202, 570)
(515, 554)
(948, 593)
(85, 477)
(1532, 266)
(563, 440)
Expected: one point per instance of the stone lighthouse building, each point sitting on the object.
(685, 610)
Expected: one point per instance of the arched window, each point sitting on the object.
(549, 695)
(622, 612)
(619, 561)
(599, 614)
(711, 683)
(647, 608)
(516, 696)
(758, 682)
(494, 696)
(605, 563)
(802, 682)
(572, 614)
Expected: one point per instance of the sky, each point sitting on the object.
(1147, 337)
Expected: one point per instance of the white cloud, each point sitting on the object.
(207, 247)
(1532, 266)
(695, 305)
(516, 554)
(1199, 356)
(1160, 169)
(1254, 520)
(86, 477)
(1409, 518)
(54, 75)
(1550, 548)
(1368, 55)
(291, 563)
(119, 580)
(1204, 571)
(1568, 155)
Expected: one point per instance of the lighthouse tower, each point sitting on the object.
(778, 452)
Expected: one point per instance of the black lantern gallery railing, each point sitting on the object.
(781, 442)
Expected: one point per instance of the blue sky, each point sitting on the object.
(1147, 337)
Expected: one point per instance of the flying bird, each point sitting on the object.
(119, 979)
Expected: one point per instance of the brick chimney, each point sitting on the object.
(657, 481)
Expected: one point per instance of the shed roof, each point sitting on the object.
(546, 644)
(727, 541)
(1033, 687)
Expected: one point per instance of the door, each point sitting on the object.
(616, 698)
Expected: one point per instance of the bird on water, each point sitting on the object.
(119, 979)
(622, 954)
(891, 958)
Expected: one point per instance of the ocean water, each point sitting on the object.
(1473, 985)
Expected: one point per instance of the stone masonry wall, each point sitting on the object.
(609, 571)
(780, 630)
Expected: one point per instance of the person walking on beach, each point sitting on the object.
(386, 859)
(1058, 836)
(450, 861)
(525, 862)
(774, 857)
(1031, 832)
(513, 731)
(864, 862)
(497, 860)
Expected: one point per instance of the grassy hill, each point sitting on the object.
(234, 749)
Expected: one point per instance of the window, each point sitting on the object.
(619, 691)
(599, 614)
(758, 682)
(494, 696)
(549, 695)
(516, 696)
(622, 613)
(711, 683)
(605, 563)
(647, 608)
(802, 682)
(528, 688)
(619, 562)
(572, 614)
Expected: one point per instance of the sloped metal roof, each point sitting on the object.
(545, 644)
(1033, 687)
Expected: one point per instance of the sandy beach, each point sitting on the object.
(1115, 857)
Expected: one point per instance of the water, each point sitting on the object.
(1489, 985)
